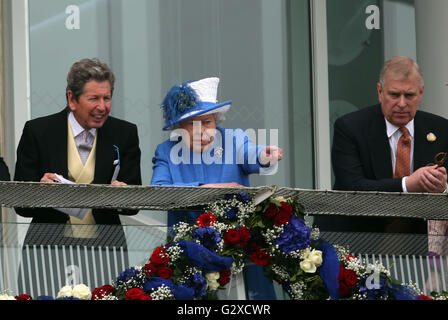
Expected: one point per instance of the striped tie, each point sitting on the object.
(403, 159)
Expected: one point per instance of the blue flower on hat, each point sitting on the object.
(191, 99)
(179, 100)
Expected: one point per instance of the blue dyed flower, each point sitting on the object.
(295, 236)
(207, 236)
(243, 197)
(155, 282)
(231, 213)
(198, 283)
(129, 274)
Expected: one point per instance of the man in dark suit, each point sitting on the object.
(365, 145)
(81, 143)
(4, 172)
(42, 149)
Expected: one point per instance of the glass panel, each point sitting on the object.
(362, 35)
(44, 269)
(44, 266)
(301, 104)
(353, 50)
(259, 49)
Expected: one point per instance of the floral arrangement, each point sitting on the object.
(200, 258)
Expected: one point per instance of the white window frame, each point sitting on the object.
(21, 67)
(321, 102)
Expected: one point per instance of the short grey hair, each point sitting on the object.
(402, 67)
(85, 70)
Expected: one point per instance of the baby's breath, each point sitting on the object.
(162, 293)
(174, 252)
(297, 290)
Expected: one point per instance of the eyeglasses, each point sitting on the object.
(439, 159)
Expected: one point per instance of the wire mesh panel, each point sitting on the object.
(316, 202)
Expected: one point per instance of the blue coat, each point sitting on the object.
(175, 164)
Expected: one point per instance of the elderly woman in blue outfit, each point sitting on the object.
(199, 153)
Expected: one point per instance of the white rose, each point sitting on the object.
(212, 285)
(66, 291)
(211, 278)
(6, 297)
(82, 292)
(316, 257)
(280, 199)
(308, 266)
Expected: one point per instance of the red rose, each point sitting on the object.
(347, 280)
(206, 220)
(232, 236)
(271, 211)
(281, 218)
(150, 269)
(101, 292)
(23, 297)
(165, 272)
(423, 297)
(136, 294)
(343, 289)
(224, 278)
(259, 256)
(286, 208)
(350, 278)
(244, 236)
(159, 256)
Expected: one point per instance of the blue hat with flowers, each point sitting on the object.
(192, 99)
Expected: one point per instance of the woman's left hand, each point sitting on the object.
(270, 155)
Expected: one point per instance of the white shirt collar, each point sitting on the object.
(76, 127)
(391, 129)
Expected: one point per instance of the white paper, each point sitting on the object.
(115, 175)
(79, 213)
(63, 180)
(262, 195)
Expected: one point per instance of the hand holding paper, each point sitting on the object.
(74, 212)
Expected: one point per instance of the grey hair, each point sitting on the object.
(401, 67)
(85, 70)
